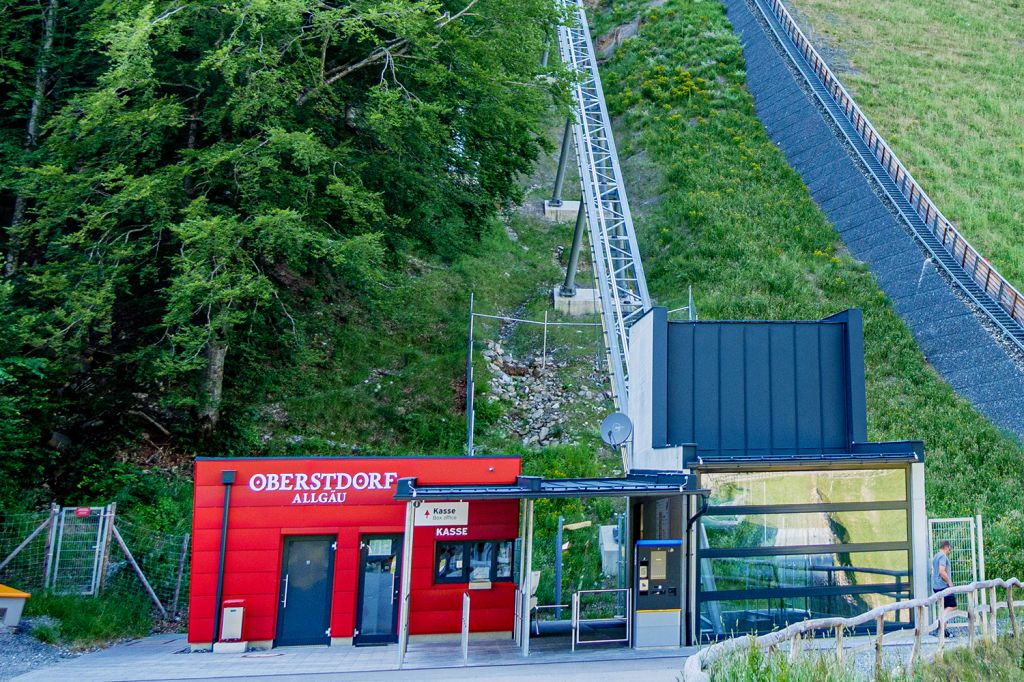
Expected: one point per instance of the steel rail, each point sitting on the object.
(621, 283)
(974, 274)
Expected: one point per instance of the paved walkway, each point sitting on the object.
(954, 340)
(166, 657)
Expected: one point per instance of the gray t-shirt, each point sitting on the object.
(940, 559)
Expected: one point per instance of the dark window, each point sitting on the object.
(473, 560)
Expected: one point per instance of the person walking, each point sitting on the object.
(941, 577)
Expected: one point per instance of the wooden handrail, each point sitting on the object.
(995, 286)
(694, 668)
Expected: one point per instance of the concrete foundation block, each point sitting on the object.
(585, 302)
(566, 213)
(230, 647)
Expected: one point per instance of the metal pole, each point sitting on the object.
(469, 381)
(181, 572)
(563, 157)
(528, 592)
(558, 567)
(690, 308)
(981, 561)
(568, 288)
(544, 347)
(227, 478)
(403, 612)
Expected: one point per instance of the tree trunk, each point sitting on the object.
(32, 134)
(213, 384)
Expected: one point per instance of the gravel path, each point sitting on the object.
(22, 653)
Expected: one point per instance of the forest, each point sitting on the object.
(197, 198)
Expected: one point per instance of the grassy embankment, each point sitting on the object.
(721, 210)
(942, 82)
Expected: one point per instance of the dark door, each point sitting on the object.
(304, 600)
(380, 560)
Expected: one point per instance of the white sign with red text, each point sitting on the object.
(442, 514)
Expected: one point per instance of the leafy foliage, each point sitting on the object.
(206, 174)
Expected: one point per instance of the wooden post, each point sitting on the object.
(24, 544)
(794, 647)
(972, 615)
(993, 622)
(109, 514)
(1013, 612)
(879, 632)
(839, 644)
(942, 626)
(138, 572)
(50, 537)
(915, 653)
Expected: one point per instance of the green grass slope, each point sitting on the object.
(949, 98)
(721, 210)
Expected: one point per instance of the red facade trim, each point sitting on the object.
(343, 497)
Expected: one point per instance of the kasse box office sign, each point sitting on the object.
(321, 488)
(451, 518)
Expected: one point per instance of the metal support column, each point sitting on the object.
(470, 388)
(527, 592)
(569, 285)
(403, 610)
(563, 158)
(558, 567)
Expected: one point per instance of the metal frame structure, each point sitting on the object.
(902, 581)
(620, 275)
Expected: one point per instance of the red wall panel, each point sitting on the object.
(260, 518)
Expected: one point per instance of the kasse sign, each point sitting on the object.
(442, 514)
(321, 488)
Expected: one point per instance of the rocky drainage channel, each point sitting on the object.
(540, 398)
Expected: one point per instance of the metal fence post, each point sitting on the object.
(469, 381)
(181, 572)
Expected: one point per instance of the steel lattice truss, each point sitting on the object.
(617, 267)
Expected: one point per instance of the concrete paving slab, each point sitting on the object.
(167, 657)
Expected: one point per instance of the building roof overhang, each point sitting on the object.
(635, 484)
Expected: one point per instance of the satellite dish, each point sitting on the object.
(616, 429)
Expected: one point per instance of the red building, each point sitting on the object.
(313, 549)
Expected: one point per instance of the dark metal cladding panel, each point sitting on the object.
(706, 427)
(764, 388)
(834, 387)
(733, 392)
(680, 409)
(807, 382)
(759, 406)
(782, 354)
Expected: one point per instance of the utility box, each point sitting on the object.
(12, 602)
(609, 539)
(658, 586)
(231, 620)
(232, 625)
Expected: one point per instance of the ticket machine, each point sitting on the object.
(658, 586)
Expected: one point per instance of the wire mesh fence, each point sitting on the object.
(89, 551)
(30, 531)
(163, 559)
